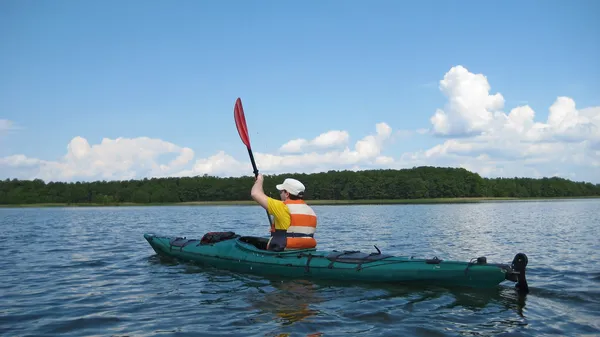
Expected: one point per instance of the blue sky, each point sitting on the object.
(79, 72)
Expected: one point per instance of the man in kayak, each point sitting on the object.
(294, 222)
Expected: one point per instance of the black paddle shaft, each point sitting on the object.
(256, 175)
(253, 163)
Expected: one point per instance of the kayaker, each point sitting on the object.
(294, 222)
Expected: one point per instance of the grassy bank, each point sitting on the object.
(310, 202)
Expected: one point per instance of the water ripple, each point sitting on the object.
(88, 271)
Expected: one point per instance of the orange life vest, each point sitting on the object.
(303, 225)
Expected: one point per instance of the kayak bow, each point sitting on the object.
(247, 254)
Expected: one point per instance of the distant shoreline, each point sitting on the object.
(310, 202)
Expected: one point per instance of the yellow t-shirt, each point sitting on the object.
(280, 212)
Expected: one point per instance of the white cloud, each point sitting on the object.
(120, 158)
(365, 152)
(19, 160)
(472, 111)
(470, 106)
(491, 142)
(125, 158)
(384, 160)
(293, 146)
(592, 114)
(218, 164)
(520, 119)
(330, 139)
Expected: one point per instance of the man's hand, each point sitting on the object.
(259, 178)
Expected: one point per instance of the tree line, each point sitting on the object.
(415, 183)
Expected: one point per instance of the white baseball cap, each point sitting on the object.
(293, 186)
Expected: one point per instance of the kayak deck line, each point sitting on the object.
(248, 254)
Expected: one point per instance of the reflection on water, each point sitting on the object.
(290, 300)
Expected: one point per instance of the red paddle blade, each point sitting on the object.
(240, 122)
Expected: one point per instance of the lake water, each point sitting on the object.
(89, 272)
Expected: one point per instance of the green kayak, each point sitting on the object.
(247, 254)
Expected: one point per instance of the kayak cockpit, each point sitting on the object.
(259, 245)
(258, 242)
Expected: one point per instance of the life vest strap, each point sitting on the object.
(299, 235)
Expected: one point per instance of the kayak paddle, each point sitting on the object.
(240, 123)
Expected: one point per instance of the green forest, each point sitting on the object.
(415, 183)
